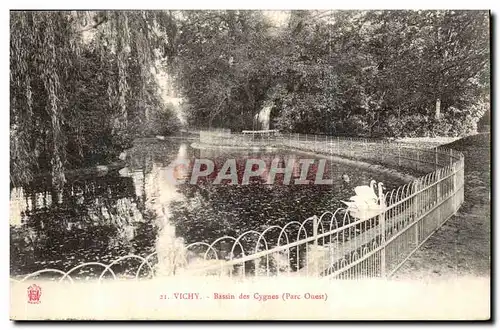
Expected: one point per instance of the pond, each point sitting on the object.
(139, 210)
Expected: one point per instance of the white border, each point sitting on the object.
(185, 4)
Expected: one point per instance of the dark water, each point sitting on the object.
(139, 210)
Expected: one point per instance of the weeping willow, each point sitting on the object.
(138, 39)
(44, 48)
(76, 79)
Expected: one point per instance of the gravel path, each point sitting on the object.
(462, 246)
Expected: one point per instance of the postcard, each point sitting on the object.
(250, 165)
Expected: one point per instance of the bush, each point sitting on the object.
(453, 123)
(441, 127)
(463, 127)
(485, 119)
(484, 123)
(352, 126)
(162, 122)
(460, 122)
(407, 126)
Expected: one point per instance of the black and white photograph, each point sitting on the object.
(250, 164)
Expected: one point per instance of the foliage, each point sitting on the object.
(44, 52)
(408, 126)
(219, 66)
(84, 84)
(82, 87)
(161, 123)
(342, 72)
(485, 119)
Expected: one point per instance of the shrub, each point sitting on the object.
(407, 126)
(352, 126)
(161, 122)
(440, 127)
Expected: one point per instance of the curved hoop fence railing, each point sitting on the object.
(334, 244)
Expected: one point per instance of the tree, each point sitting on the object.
(221, 66)
(44, 50)
(82, 86)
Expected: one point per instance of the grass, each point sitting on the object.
(462, 246)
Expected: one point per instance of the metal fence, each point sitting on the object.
(334, 244)
(338, 246)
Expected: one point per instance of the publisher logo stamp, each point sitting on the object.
(34, 293)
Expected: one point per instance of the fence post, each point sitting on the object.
(438, 186)
(315, 230)
(454, 180)
(437, 158)
(456, 197)
(383, 272)
(415, 210)
(438, 194)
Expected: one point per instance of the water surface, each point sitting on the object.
(139, 210)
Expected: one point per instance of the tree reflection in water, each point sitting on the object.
(140, 211)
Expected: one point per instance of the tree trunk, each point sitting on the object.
(438, 108)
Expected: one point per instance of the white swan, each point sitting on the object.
(364, 194)
(381, 196)
(366, 204)
(367, 191)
